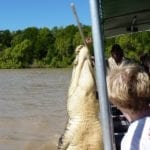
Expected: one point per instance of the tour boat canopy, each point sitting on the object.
(124, 16)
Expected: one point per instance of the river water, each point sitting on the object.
(32, 108)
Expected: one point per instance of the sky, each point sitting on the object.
(21, 14)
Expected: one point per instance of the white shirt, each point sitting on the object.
(137, 136)
(112, 64)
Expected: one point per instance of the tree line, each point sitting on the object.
(54, 48)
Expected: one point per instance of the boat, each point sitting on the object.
(111, 18)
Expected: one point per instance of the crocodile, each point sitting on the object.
(83, 129)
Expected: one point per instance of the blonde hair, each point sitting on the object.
(129, 87)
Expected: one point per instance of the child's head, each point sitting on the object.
(129, 87)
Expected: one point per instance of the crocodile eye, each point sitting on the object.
(77, 51)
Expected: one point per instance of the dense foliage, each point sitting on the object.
(44, 47)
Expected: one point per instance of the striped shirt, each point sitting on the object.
(137, 136)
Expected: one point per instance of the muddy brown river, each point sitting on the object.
(32, 108)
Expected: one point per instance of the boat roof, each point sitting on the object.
(112, 18)
(124, 16)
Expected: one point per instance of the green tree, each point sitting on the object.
(44, 44)
(5, 39)
(22, 53)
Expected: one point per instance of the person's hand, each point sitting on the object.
(89, 40)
